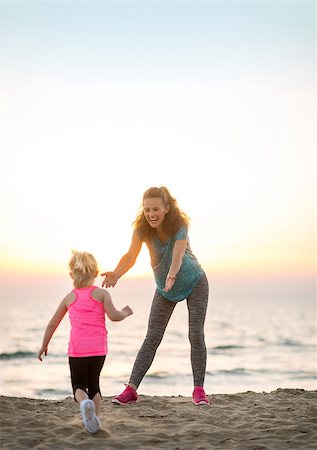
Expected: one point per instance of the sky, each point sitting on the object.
(215, 100)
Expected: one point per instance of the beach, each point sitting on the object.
(281, 419)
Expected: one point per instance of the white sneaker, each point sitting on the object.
(90, 420)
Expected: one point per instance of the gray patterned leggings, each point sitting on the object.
(160, 314)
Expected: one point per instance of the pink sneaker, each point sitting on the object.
(199, 397)
(129, 395)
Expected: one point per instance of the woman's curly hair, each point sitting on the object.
(173, 221)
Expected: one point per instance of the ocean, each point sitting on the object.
(253, 345)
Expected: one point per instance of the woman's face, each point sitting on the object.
(154, 211)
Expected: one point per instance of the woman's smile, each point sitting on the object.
(154, 211)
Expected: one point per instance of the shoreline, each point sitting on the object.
(281, 419)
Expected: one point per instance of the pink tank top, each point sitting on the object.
(88, 336)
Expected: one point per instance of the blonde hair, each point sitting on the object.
(83, 268)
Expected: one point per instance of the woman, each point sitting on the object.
(178, 275)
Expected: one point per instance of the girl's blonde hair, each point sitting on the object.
(83, 268)
(174, 219)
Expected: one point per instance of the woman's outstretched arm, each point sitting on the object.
(125, 263)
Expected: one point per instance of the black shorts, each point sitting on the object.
(85, 373)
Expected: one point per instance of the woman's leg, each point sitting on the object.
(160, 314)
(197, 306)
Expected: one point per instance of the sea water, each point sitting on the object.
(252, 345)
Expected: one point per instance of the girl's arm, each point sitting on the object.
(125, 263)
(112, 312)
(51, 327)
(177, 259)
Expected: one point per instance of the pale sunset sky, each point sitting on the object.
(214, 99)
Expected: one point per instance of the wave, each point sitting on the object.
(292, 343)
(241, 371)
(307, 347)
(227, 347)
(236, 371)
(24, 354)
(54, 393)
(17, 355)
(159, 375)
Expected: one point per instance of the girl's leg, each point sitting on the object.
(85, 374)
(197, 306)
(97, 399)
(78, 374)
(80, 395)
(94, 369)
(160, 314)
(79, 377)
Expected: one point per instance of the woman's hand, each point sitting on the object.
(169, 283)
(110, 279)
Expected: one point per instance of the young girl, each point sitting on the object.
(87, 349)
(178, 275)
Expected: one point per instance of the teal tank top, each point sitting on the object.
(161, 258)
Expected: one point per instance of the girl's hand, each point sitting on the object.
(110, 279)
(41, 351)
(126, 311)
(169, 283)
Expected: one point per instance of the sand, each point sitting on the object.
(282, 419)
